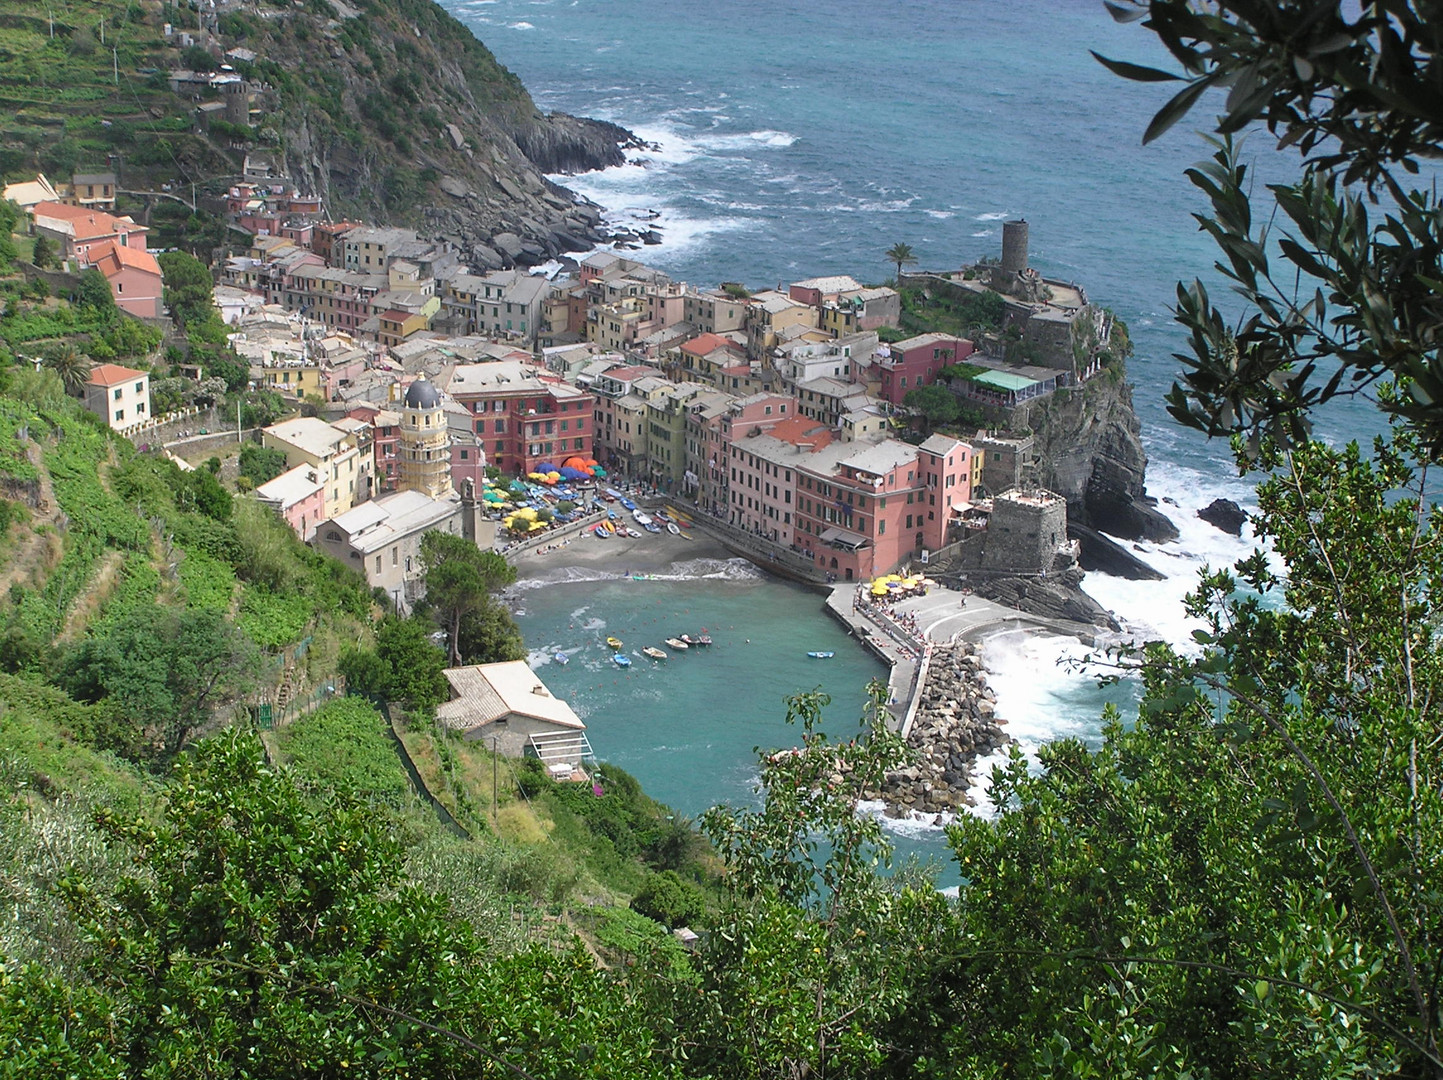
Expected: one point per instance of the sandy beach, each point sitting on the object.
(648, 554)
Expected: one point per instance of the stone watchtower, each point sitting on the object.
(1025, 531)
(237, 98)
(425, 444)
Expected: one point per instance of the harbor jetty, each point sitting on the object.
(939, 699)
(954, 723)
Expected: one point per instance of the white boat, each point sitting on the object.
(641, 518)
(827, 655)
(653, 652)
(674, 643)
(673, 528)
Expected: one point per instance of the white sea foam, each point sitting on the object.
(739, 570)
(520, 26)
(1002, 216)
(1153, 610)
(911, 824)
(940, 215)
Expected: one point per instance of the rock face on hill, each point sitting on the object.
(394, 113)
(1089, 449)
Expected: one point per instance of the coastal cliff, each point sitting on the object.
(1089, 450)
(403, 117)
(390, 110)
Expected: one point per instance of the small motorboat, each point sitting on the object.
(614, 642)
(688, 639)
(641, 518)
(621, 660)
(702, 639)
(651, 527)
(561, 658)
(653, 652)
(677, 644)
(628, 504)
(673, 528)
(827, 655)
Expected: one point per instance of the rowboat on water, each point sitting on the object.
(614, 642)
(653, 652)
(703, 640)
(677, 644)
(822, 655)
(621, 660)
(561, 658)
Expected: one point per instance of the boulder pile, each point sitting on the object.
(955, 724)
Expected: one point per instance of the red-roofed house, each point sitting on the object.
(78, 229)
(705, 355)
(120, 395)
(134, 276)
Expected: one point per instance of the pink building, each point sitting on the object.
(77, 229)
(862, 509)
(904, 366)
(816, 291)
(134, 276)
(762, 475)
(299, 497)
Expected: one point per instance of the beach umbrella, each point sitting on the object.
(578, 463)
(518, 487)
(597, 470)
(571, 472)
(879, 589)
(546, 467)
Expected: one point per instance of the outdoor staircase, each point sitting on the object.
(555, 748)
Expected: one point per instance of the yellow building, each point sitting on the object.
(341, 468)
(425, 444)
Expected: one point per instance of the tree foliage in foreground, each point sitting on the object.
(1342, 291)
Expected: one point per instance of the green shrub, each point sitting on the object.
(669, 900)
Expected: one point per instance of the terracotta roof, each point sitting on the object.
(122, 257)
(706, 344)
(86, 223)
(113, 374)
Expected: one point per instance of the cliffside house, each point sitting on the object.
(508, 706)
(298, 496)
(134, 276)
(118, 395)
(903, 366)
(76, 230)
(93, 191)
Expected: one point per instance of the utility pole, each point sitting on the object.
(114, 63)
(494, 755)
(237, 421)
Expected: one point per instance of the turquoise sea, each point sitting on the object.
(797, 139)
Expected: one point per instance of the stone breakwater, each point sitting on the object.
(955, 724)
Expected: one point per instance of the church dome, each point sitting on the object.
(422, 395)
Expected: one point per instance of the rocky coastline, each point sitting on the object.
(955, 724)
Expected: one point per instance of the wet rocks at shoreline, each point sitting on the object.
(956, 723)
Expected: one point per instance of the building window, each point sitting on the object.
(117, 393)
(395, 556)
(119, 414)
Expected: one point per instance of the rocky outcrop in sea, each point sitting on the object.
(956, 723)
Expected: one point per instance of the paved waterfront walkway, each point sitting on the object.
(901, 633)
